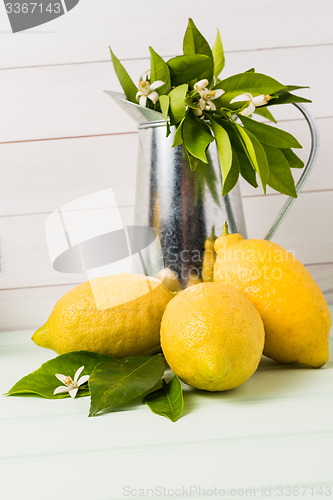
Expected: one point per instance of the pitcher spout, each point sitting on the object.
(139, 113)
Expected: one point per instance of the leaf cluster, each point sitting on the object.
(112, 382)
(246, 147)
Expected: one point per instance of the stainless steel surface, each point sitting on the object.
(183, 206)
(306, 172)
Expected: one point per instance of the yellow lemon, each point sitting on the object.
(212, 337)
(209, 258)
(118, 315)
(170, 279)
(296, 317)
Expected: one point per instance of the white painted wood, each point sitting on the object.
(28, 307)
(281, 408)
(85, 33)
(26, 262)
(67, 101)
(42, 176)
(225, 465)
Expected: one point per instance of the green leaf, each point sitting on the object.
(164, 104)
(265, 113)
(196, 137)
(248, 146)
(185, 68)
(178, 138)
(218, 55)
(195, 43)
(272, 136)
(263, 165)
(43, 381)
(246, 168)
(116, 383)
(290, 88)
(177, 103)
(167, 401)
(293, 160)
(225, 158)
(233, 176)
(254, 83)
(280, 177)
(194, 164)
(125, 80)
(286, 98)
(204, 178)
(159, 70)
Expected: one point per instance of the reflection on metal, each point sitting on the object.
(181, 205)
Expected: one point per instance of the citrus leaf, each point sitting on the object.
(286, 98)
(194, 163)
(205, 180)
(293, 160)
(248, 146)
(246, 168)
(233, 176)
(167, 401)
(218, 55)
(196, 137)
(269, 135)
(177, 103)
(254, 83)
(178, 138)
(225, 155)
(263, 165)
(265, 113)
(280, 177)
(185, 68)
(159, 70)
(115, 383)
(195, 43)
(164, 104)
(290, 88)
(125, 80)
(43, 381)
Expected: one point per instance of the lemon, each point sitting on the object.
(296, 317)
(209, 258)
(118, 315)
(212, 336)
(170, 279)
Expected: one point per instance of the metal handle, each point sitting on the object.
(306, 172)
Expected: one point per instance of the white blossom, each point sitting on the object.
(145, 89)
(206, 96)
(253, 102)
(71, 386)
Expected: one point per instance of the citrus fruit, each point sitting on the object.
(118, 315)
(212, 336)
(296, 317)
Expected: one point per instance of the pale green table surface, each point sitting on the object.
(275, 431)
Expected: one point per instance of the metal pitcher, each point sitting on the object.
(185, 206)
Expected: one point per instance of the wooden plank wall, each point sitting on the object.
(61, 137)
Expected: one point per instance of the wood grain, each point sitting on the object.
(49, 102)
(85, 33)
